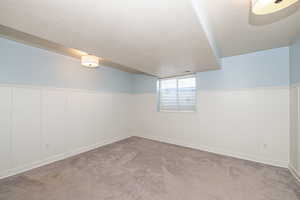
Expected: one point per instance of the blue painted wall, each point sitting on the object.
(260, 69)
(295, 62)
(144, 84)
(22, 64)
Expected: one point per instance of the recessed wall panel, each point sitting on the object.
(26, 126)
(5, 124)
(80, 110)
(54, 122)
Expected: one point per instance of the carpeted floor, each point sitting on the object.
(140, 169)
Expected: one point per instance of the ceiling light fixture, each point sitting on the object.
(90, 61)
(263, 7)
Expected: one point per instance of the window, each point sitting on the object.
(177, 94)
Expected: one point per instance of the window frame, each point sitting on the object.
(158, 88)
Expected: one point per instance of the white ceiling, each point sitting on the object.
(158, 37)
(235, 31)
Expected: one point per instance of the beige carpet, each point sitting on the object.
(140, 169)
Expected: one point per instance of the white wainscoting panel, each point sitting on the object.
(41, 125)
(49, 124)
(122, 115)
(5, 128)
(295, 130)
(249, 123)
(26, 126)
(54, 122)
(102, 116)
(294, 127)
(79, 113)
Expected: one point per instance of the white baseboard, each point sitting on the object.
(224, 152)
(18, 170)
(294, 172)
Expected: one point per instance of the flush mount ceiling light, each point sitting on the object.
(263, 7)
(90, 61)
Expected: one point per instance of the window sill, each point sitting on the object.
(175, 111)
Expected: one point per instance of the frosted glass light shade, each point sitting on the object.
(263, 7)
(90, 61)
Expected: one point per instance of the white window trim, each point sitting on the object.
(176, 111)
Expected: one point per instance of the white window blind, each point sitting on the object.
(177, 94)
